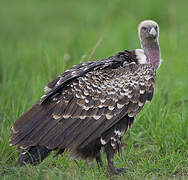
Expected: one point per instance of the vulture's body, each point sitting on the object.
(91, 105)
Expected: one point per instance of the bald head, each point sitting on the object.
(148, 30)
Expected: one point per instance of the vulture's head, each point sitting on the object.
(148, 30)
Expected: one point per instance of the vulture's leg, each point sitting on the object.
(99, 160)
(110, 158)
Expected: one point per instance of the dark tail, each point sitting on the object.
(34, 155)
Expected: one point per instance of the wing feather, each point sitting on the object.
(29, 121)
(82, 68)
(101, 128)
(84, 102)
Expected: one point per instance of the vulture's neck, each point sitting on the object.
(152, 52)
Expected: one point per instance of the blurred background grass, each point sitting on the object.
(41, 38)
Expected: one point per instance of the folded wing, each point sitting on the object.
(84, 103)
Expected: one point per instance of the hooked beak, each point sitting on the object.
(153, 32)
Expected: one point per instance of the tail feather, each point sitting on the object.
(34, 155)
(31, 122)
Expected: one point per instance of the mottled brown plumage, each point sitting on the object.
(89, 106)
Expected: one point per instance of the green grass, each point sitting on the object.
(40, 39)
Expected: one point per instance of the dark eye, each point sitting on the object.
(156, 28)
(144, 28)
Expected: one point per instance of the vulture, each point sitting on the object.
(89, 107)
